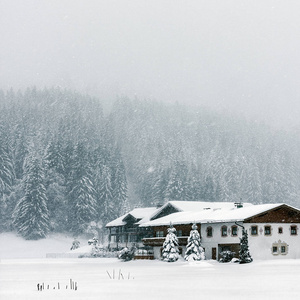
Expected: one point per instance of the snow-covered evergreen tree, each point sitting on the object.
(176, 185)
(170, 252)
(194, 251)
(106, 196)
(6, 165)
(75, 244)
(54, 156)
(7, 177)
(57, 200)
(81, 197)
(82, 205)
(119, 185)
(245, 256)
(31, 216)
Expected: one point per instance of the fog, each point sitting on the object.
(240, 56)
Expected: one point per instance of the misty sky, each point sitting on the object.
(242, 56)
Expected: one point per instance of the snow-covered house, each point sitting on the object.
(125, 231)
(272, 228)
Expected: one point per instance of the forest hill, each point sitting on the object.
(65, 166)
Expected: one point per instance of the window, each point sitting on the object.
(293, 230)
(224, 231)
(179, 232)
(209, 232)
(234, 230)
(267, 230)
(254, 230)
(113, 230)
(159, 233)
(132, 238)
(280, 248)
(280, 230)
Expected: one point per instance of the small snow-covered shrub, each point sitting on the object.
(125, 254)
(93, 241)
(227, 256)
(75, 244)
(98, 251)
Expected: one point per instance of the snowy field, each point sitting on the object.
(137, 279)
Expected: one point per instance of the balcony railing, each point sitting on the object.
(158, 241)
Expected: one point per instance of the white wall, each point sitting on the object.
(260, 246)
(212, 242)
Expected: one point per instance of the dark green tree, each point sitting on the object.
(7, 178)
(31, 216)
(81, 193)
(245, 256)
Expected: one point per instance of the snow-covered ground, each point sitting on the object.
(137, 279)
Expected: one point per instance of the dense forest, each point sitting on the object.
(67, 166)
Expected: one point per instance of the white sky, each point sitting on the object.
(238, 55)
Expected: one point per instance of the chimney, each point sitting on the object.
(238, 204)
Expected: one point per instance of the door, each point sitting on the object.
(214, 253)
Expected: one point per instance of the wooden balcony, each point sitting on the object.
(158, 241)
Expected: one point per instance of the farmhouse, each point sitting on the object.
(272, 228)
(125, 231)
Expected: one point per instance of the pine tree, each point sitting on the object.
(176, 185)
(194, 251)
(6, 166)
(57, 200)
(170, 252)
(7, 178)
(119, 185)
(160, 186)
(54, 157)
(82, 205)
(20, 149)
(106, 197)
(81, 195)
(245, 256)
(31, 216)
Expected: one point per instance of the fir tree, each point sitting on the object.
(119, 185)
(31, 216)
(106, 196)
(245, 256)
(82, 205)
(54, 157)
(170, 252)
(20, 151)
(7, 179)
(6, 166)
(194, 251)
(57, 200)
(81, 195)
(175, 188)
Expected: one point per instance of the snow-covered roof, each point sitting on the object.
(198, 206)
(142, 214)
(225, 214)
